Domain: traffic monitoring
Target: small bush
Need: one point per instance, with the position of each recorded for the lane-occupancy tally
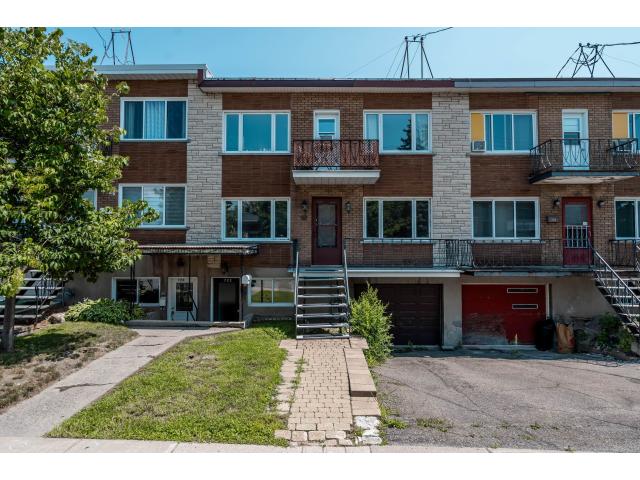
(369, 319)
(613, 335)
(103, 310)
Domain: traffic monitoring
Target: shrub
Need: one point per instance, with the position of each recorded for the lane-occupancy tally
(103, 310)
(613, 335)
(369, 319)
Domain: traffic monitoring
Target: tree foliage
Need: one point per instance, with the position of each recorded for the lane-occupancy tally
(52, 150)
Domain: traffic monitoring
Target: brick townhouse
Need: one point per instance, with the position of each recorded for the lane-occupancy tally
(476, 206)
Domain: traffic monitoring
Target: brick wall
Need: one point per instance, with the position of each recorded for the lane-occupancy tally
(410, 175)
(256, 175)
(303, 105)
(157, 237)
(154, 162)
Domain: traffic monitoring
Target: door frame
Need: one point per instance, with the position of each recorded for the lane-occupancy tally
(589, 202)
(314, 229)
(212, 297)
(171, 293)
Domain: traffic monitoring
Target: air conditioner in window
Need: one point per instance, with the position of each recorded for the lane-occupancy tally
(478, 146)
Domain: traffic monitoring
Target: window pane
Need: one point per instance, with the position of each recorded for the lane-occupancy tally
(154, 196)
(90, 195)
(154, 119)
(256, 219)
(504, 219)
(371, 126)
(282, 290)
(482, 220)
(231, 219)
(149, 290)
(256, 132)
(502, 137)
(396, 131)
(133, 119)
(261, 291)
(132, 194)
(396, 219)
(488, 132)
(282, 219)
(636, 131)
(625, 219)
(126, 290)
(422, 131)
(176, 119)
(523, 130)
(525, 219)
(282, 132)
(174, 197)
(373, 227)
(422, 219)
(326, 126)
(232, 129)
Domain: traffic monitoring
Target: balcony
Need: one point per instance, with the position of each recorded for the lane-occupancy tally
(580, 161)
(548, 255)
(335, 162)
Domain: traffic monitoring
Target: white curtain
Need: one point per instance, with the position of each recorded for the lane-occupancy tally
(154, 117)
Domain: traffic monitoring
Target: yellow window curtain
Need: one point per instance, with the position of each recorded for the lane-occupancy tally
(620, 125)
(477, 127)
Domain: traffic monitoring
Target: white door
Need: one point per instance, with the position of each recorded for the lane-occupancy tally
(575, 143)
(182, 298)
(326, 127)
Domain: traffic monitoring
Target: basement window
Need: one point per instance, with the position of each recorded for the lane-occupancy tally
(154, 119)
(145, 291)
(271, 292)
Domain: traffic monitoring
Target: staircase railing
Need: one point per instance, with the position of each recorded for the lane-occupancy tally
(295, 287)
(346, 281)
(622, 296)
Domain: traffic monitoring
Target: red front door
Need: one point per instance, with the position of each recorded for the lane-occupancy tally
(576, 231)
(327, 231)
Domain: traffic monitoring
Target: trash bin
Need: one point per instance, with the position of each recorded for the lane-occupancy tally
(544, 331)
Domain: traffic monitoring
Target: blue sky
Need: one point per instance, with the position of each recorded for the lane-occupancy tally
(344, 52)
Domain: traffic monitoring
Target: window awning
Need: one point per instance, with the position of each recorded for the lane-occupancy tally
(201, 249)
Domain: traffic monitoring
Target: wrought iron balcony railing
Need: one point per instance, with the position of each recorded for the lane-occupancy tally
(599, 155)
(335, 155)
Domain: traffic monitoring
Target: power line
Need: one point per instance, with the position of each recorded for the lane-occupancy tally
(418, 41)
(622, 60)
(373, 60)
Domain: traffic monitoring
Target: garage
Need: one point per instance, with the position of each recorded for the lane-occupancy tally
(501, 314)
(415, 311)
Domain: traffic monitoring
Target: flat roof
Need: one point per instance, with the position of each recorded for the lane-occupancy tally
(187, 71)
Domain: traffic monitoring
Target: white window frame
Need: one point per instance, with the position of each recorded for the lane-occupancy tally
(325, 115)
(113, 289)
(164, 187)
(380, 201)
(251, 303)
(493, 201)
(166, 124)
(241, 114)
(240, 238)
(413, 113)
(484, 113)
(636, 205)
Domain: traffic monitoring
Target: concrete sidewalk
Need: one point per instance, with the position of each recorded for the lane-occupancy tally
(37, 415)
(72, 445)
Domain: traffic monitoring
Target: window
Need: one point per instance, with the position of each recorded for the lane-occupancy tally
(634, 125)
(271, 292)
(627, 218)
(505, 218)
(255, 132)
(504, 132)
(168, 200)
(92, 196)
(154, 119)
(399, 131)
(260, 219)
(144, 291)
(396, 218)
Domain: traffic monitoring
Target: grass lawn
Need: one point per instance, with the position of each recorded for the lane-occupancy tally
(53, 352)
(207, 389)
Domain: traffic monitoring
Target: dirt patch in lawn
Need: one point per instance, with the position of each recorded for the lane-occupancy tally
(53, 352)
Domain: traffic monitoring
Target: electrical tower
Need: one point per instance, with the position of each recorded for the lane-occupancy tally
(113, 48)
(418, 42)
(588, 56)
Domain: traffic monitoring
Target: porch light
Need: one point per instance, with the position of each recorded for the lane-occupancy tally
(601, 203)
(347, 206)
(305, 207)
(556, 203)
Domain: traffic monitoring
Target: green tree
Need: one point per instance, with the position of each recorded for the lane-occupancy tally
(52, 150)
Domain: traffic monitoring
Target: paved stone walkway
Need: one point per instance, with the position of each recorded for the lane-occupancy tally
(319, 400)
(73, 445)
(37, 415)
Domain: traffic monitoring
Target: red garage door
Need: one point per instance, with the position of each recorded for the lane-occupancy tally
(499, 314)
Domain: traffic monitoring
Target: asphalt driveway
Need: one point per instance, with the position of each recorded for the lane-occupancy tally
(513, 400)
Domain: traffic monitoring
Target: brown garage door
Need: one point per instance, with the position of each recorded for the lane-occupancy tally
(415, 311)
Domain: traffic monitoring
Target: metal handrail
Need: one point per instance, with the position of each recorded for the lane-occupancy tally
(346, 277)
(295, 287)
